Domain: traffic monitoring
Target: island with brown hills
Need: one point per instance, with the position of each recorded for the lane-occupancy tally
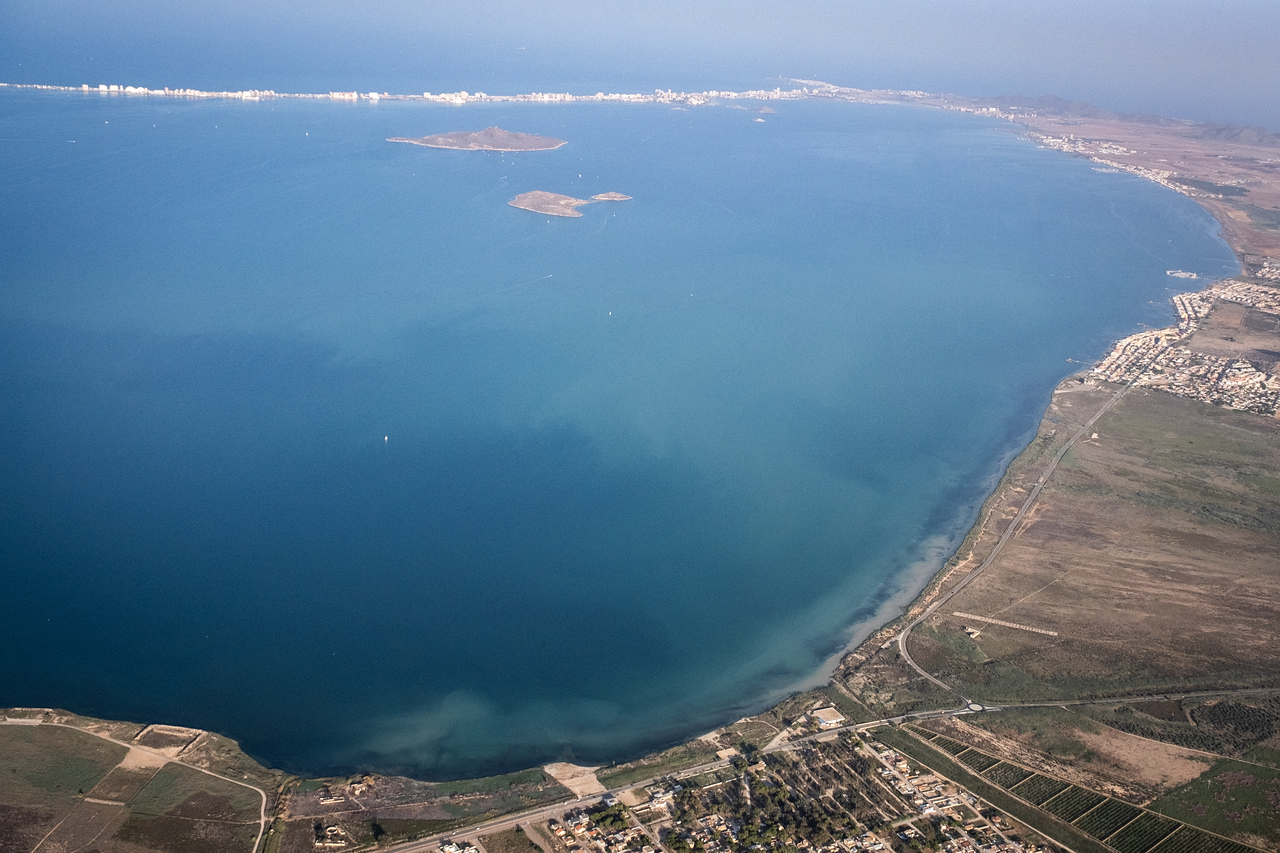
(489, 139)
(555, 204)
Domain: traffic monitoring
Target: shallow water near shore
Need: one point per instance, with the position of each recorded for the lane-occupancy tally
(310, 439)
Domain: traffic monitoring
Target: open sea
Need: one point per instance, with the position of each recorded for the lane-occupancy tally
(310, 439)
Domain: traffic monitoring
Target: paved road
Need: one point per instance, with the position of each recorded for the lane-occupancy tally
(1005, 537)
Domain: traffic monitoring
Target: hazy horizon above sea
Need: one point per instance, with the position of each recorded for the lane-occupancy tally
(310, 439)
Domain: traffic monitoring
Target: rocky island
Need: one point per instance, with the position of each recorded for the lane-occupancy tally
(555, 204)
(489, 139)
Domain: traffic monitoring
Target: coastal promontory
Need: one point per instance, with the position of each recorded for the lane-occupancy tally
(489, 139)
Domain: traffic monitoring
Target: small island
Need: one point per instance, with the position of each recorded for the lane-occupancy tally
(555, 204)
(489, 139)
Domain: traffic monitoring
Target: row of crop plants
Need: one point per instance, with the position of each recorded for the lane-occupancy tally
(1123, 827)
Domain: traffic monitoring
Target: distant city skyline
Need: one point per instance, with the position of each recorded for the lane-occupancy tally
(1189, 59)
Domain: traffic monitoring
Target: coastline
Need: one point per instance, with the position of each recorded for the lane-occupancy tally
(933, 570)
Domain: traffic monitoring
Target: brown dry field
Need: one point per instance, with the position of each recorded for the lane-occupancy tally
(1070, 746)
(511, 841)
(1237, 331)
(1154, 552)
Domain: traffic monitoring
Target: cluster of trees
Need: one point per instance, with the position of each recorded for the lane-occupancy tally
(1224, 727)
(610, 819)
(774, 814)
(748, 754)
(826, 793)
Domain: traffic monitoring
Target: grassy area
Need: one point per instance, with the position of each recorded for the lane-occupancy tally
(945, 765)
(670, 761)
(1053, 730)
(166, 834)
(48, 767)
(1264, 755)
(388, 830)
(853, 711)
(494, 795)
(46, 770)
(1160, 524)
(1261, 216)
(1232, 799)
(702, 780)
(492, 784)
(755, 732)
(182, 792)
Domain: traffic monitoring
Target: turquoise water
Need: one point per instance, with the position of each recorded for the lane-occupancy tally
(311, 439)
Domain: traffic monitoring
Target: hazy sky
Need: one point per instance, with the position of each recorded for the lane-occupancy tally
(1211, 61)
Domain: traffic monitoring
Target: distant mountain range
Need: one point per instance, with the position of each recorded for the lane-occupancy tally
(1056, 106)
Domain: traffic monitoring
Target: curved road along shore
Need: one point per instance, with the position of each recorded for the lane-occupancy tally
(1007, 535)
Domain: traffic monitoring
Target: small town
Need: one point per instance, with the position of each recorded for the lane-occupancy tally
(1104, 153)
(821, 785)
(1167, 360)
(836, 794)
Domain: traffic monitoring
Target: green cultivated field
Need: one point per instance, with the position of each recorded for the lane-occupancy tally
(951, 746)
(1072, 803)
(978, 761)
(1107, 818)
(1191, 840)
(1143, 834)
(1039, 788)
(1006, 775)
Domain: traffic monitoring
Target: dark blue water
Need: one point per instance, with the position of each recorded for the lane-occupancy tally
(310, 439)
